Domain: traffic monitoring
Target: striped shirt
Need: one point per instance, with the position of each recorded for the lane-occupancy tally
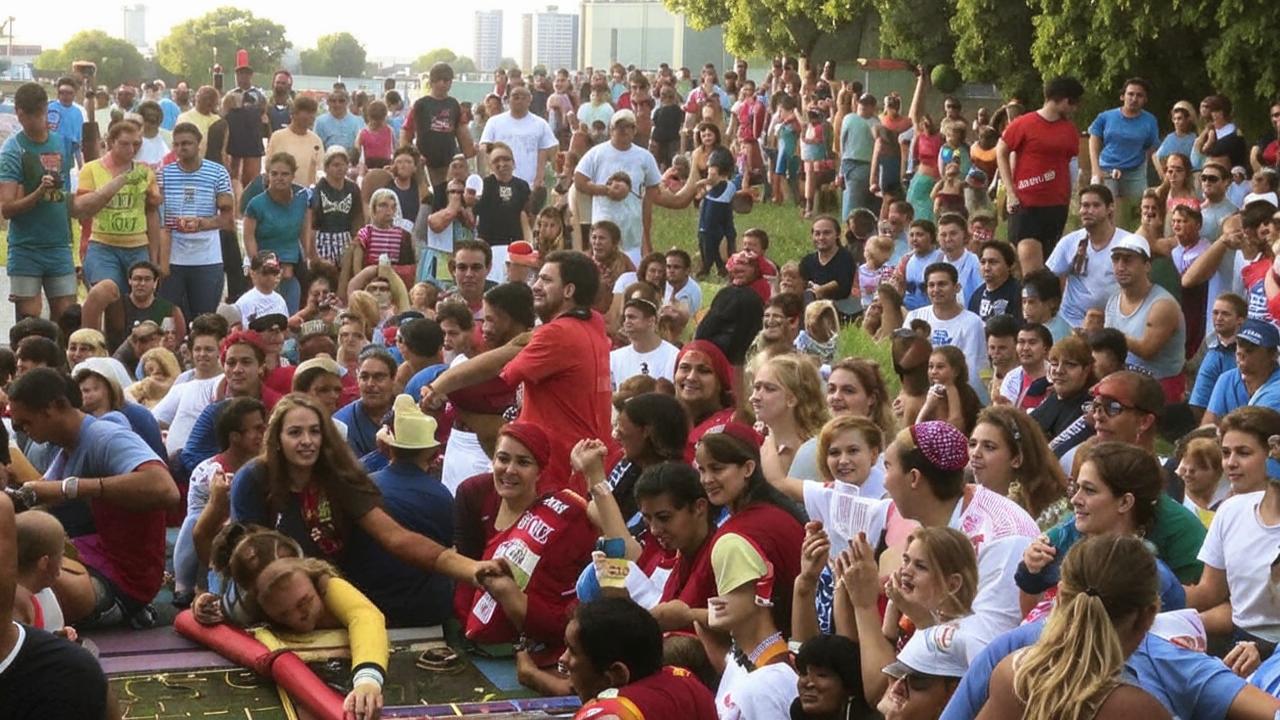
(193, 194)
(378, 241)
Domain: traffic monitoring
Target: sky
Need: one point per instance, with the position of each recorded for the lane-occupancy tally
(402, 31)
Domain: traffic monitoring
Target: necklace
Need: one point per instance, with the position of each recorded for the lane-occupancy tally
(764, 645)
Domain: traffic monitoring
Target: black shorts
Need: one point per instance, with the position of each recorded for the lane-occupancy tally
(1038, 223)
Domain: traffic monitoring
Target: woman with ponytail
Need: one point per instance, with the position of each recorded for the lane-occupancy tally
(1107, 601)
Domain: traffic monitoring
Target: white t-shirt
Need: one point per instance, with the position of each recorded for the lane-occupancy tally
(965, 331)
(764, 694)
(626, 362)
(690, 294)
(1000, 531)
(604, 160)
(527, 136)
(1239, 544)
(181, 406)
(254, 304)
(624, 281)
(1097, 284)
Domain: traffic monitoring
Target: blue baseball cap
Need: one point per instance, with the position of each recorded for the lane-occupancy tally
(1260, 333)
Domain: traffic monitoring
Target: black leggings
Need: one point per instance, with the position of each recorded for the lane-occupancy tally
(709, 247)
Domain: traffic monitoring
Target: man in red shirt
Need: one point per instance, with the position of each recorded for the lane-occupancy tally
(1038, 180)
(564, 367)
(613, 653)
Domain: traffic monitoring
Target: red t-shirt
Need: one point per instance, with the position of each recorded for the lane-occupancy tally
(678, 585)
(671, 692)
(565, 372)
(128, 546)
(778, 537)
(1042, 173)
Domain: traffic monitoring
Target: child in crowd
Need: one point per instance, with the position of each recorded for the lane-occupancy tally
(949, 193)
(549, 230)
(756, 240)
(815, 148)
(423, 297)
(262, 298)
(302, 595)
(715, 213)
(41, 540)
(790, 280)
(818, 337)
(787, 130)
(383, 236)
(876, 268)
(976, 199)
(376, 139)
(982, 227)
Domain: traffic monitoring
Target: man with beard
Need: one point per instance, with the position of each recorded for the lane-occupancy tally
(564, 368)
(278, 110)
(1084, 256)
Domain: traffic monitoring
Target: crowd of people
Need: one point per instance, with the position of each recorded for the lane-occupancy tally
(412, 363)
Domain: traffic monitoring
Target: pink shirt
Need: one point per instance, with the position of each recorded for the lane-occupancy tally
(376, 143)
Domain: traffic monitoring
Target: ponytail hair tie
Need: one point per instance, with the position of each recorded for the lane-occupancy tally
(1091, 591)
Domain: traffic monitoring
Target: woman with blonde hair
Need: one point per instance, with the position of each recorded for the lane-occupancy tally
(933, 589)
(1107, 600)
(86, 343)
(1009, 454)
(786, 396)
(363, 305)
(159, 371)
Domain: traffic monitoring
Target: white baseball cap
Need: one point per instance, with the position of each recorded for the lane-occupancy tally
(1132, 243)
(938, 651)
(623, 115)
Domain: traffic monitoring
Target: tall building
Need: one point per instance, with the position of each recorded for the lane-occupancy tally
(644, 33)
(551, 39)
(526, 41)
(488, 39)
(135, 24)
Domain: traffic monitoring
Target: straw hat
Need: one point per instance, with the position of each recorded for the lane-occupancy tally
(414, 429)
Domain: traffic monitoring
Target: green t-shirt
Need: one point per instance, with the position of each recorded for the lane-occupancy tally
(1177, 536)
(857, 139)
(48, 224)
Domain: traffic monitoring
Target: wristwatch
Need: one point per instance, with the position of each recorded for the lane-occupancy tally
(70, 487)
(27, 496)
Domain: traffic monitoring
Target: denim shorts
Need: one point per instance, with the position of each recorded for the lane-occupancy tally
(33, 268)
(108, 262)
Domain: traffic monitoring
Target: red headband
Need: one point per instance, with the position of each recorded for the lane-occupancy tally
(719, 363)
(534, 439)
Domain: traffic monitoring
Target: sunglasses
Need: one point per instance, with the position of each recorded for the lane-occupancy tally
(1209, 178)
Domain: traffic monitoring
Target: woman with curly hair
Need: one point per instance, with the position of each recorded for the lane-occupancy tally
(309, 486)
(786, 396)
(1008, 453)
(1107, 601)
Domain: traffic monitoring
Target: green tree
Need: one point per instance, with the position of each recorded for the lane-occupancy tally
(760, 28)
(426, 60)
(918, 31)
(463, 64)
(1242, 61)
(1103, 43)
(335, 54)
(118, 60)
(997, 52)
(188, 50)
(507, 63)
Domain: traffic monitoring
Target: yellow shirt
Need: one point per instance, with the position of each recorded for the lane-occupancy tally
(307, 149)
(366, 626)
(123, 221)
(201, 121)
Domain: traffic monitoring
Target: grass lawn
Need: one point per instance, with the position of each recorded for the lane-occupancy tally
(788, 240)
